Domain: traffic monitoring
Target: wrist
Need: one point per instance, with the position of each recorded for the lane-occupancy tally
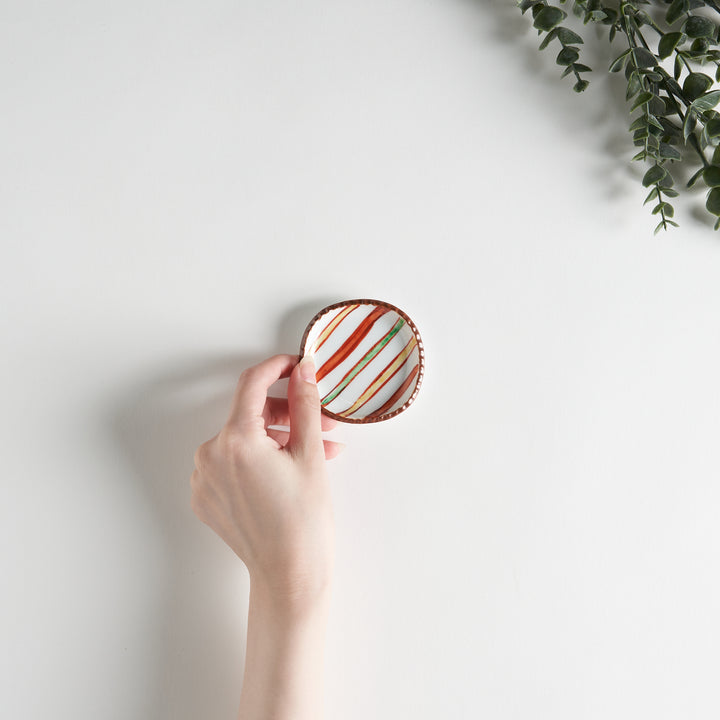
(290, 600)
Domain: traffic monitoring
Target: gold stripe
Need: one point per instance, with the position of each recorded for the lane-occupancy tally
(325, 334)
(381, 379)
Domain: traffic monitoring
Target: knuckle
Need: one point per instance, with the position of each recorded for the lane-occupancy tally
(247, 376)
(232, 447)
(202, 456)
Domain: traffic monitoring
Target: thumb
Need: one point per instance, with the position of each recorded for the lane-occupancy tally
(304, 408)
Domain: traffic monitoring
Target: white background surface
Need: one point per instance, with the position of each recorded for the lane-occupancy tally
(182, 186)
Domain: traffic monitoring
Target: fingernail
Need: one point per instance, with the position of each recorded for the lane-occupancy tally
(307, 370)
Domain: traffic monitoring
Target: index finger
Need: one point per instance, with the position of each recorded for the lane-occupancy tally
(252, 387)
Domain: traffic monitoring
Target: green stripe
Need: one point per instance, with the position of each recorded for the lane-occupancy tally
(373, 352)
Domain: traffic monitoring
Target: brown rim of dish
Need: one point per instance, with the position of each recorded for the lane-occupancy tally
(421, 356)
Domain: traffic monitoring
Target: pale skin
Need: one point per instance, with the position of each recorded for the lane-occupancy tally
(265, 492)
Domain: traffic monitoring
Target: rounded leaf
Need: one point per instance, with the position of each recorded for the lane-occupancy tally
(653, 175)
(580, 85)
(548, 18)
(711, 176)
(696, 84)
(567, 56)
(699, 47)
(713, 201)
(568, 37)
(698, 27)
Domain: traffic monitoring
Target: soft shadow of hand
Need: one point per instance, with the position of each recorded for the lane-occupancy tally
(196, 664)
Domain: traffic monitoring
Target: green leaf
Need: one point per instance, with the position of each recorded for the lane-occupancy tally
(651, 196)
(611, 16)
(640, 156)
(711, 176)
(712, 127)
(548, 18)
(567, 56)
(654, 175)
(713, 201)
(656, 106)
(699, 47)
(670, 192)
(668, 43)
(639, 123)
(619, 62)
(706, 102)
(568, 37)
(667, 208)
(673, 133)
(580, 85)
(699, 27)
(696, 84)
(668, 152)
(634, 86)
(717, 224)
(655, 77)
(675, 11)
(579, 67)
(525, 5)
(548, 39)
(644, 58)
(695, 178)
(652, 120)
(689, 124)
(641, 99)
(677, 67)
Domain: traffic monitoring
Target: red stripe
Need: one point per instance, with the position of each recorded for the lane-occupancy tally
(351, 343)
(396, 395)
(397, 370)
(354, 307)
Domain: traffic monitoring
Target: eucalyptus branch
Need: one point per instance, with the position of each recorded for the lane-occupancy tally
(688, 95)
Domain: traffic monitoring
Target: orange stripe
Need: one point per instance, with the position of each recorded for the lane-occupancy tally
(397, 395)
(351, 343)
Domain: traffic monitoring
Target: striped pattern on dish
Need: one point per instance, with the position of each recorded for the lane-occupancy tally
(368, 360)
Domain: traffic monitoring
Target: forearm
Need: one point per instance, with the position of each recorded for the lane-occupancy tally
(284, 661)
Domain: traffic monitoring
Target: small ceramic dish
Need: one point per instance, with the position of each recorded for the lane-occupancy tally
(369, 360)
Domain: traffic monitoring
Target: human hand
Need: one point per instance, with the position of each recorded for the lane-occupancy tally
(265, 492)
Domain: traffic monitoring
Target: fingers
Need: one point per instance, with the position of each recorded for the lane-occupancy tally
(304, 408)
(277, 413)
(332, 449)
(251, 391)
